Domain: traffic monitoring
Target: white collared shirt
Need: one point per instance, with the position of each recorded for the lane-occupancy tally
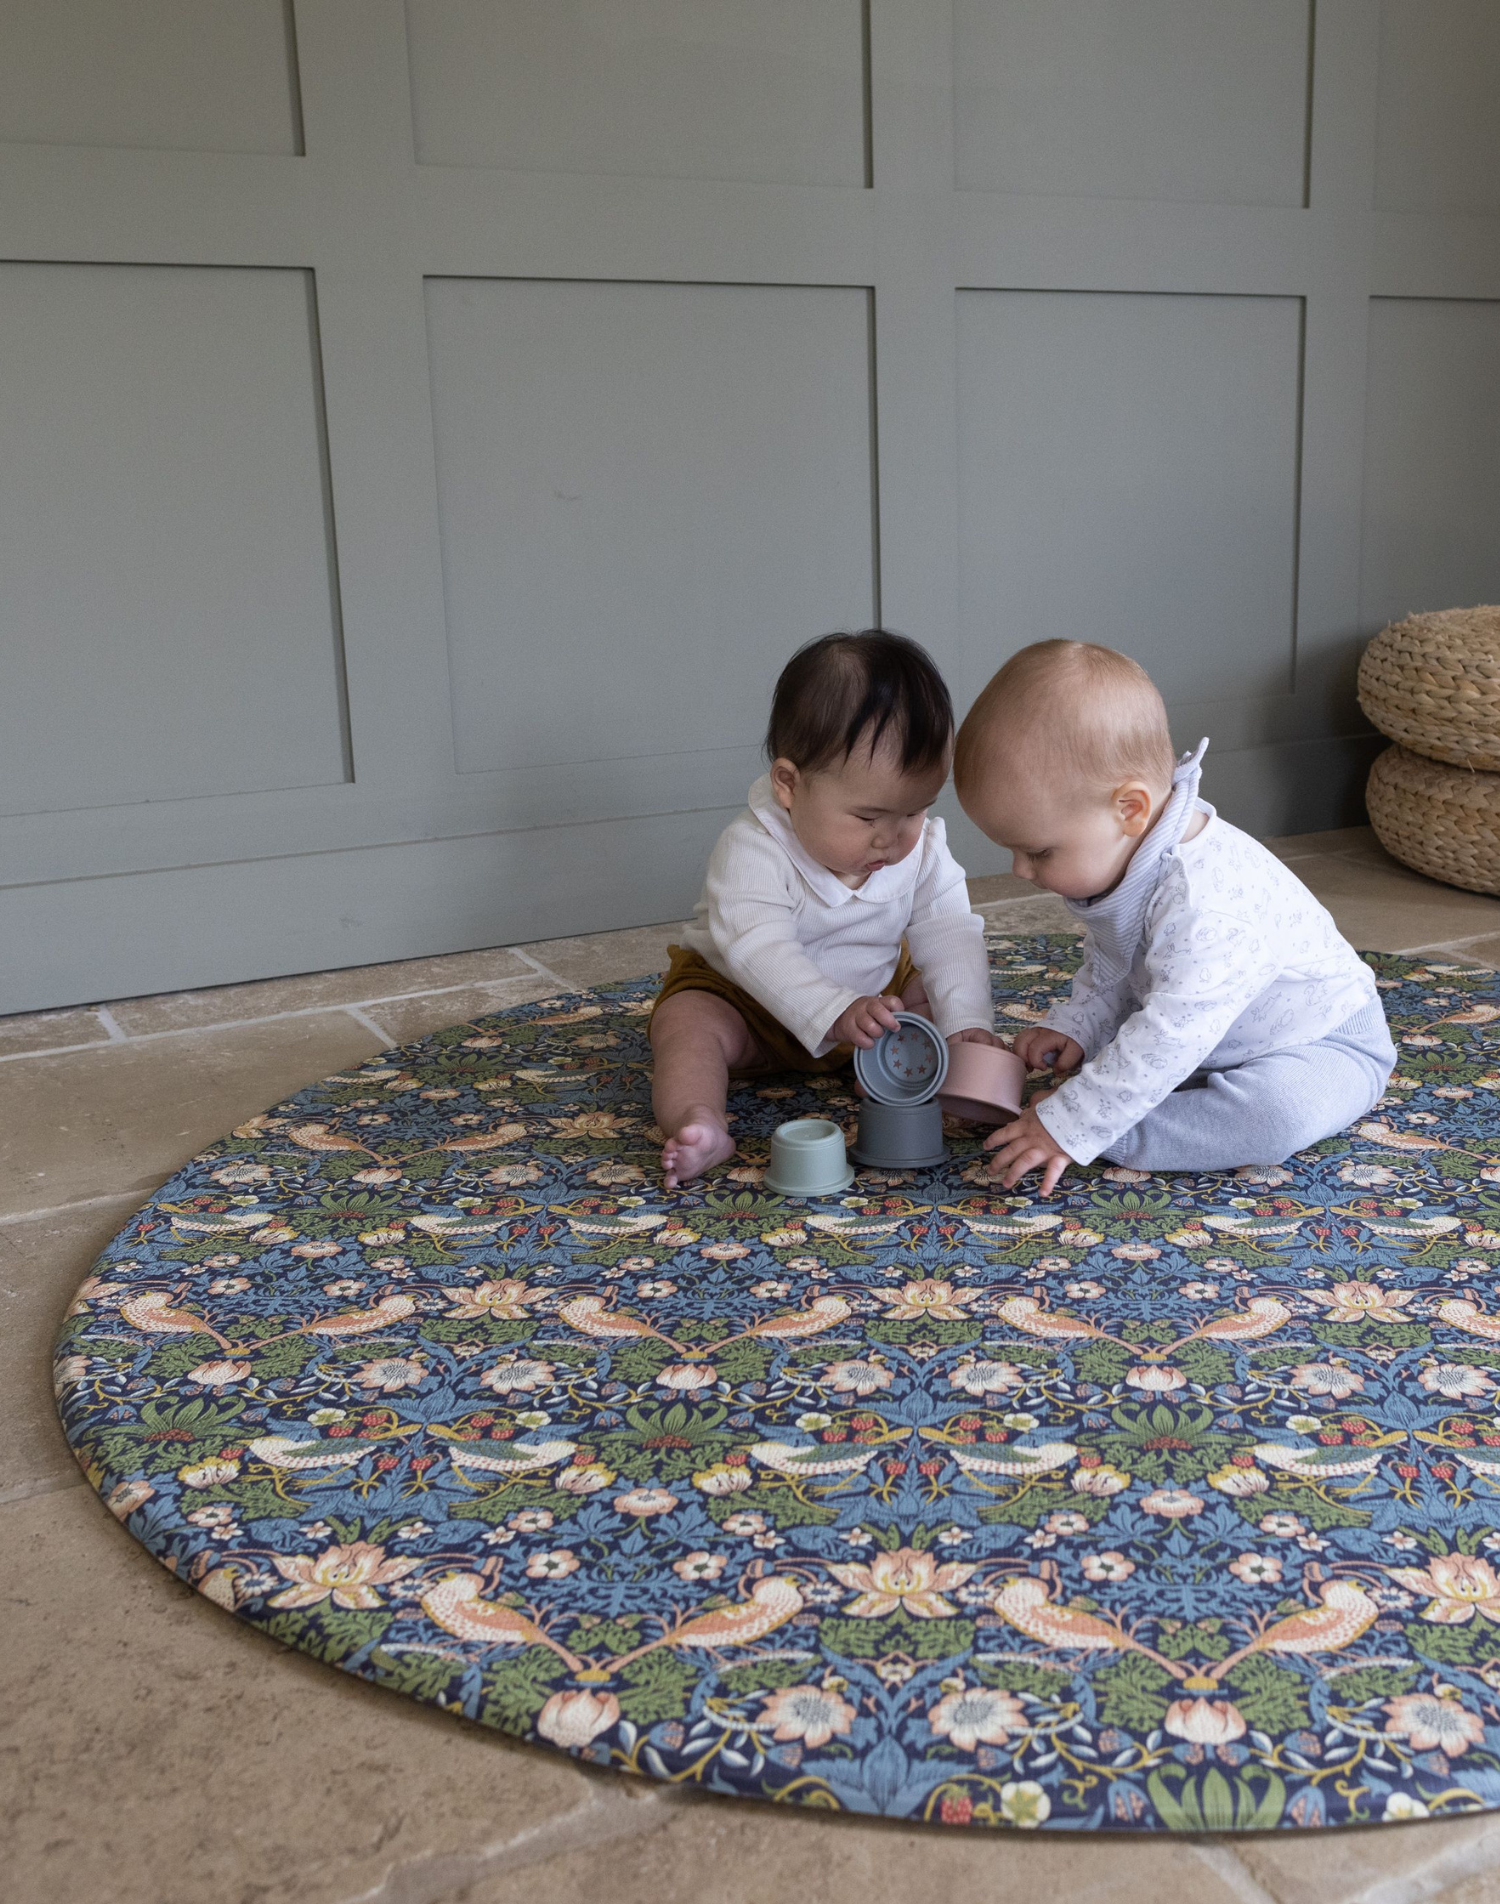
(805, 945)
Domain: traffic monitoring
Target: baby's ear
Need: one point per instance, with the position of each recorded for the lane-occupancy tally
(1133, 803)
(785, 777)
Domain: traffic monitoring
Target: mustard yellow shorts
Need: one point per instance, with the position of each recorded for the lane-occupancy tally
(689, 972)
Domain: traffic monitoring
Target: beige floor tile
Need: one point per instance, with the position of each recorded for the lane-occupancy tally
(124, 1116)
(1483, 1888)
(407, 1018)
(1393, 1862)
(222, 1004)
(1486, 951)
(597, 958)
(1042, 912)
(1359, 841)
(45, 1031)
(158, 1752)
(724, 1851)
(1381, 907)
(42, 1261)
(986, 888)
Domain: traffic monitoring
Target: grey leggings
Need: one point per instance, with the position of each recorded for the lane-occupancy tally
(1261, 1111)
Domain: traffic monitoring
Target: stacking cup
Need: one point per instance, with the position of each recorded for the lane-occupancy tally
(900, 1136)
(983, 1084)
(807, 1159)
(904, 1066)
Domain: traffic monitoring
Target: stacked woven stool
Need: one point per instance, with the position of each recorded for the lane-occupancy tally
(1432, 684)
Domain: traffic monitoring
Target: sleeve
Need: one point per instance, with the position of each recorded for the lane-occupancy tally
(752, 893)
(1094, 1010)
(1203, 967)
(946, 937)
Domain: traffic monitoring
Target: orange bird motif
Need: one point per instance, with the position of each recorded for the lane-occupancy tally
(824, 1312)
(1262, 1315)
(1026, 1603)
(589, 1315)
(773, 1601)
(1460, 1313)
(1346, 1612)
(459, 1607)
(154, 1312)
(1027, 1314)
(389, 1309)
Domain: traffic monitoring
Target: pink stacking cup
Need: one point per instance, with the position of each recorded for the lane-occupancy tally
(984, 1084)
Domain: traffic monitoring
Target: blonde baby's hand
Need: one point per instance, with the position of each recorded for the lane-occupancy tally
(1043, 1049)
(1026, 1144)
(863, 1022)
(975, 1035)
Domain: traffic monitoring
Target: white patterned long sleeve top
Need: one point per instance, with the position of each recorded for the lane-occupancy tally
(1234, 959)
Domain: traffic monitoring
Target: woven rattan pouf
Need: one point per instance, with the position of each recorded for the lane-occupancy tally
(1432, 682)
(1443, 821)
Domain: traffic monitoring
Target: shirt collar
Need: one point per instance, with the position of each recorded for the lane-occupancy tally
(884, 885)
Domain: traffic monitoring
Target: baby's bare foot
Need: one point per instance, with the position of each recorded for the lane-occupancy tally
(695, 1147)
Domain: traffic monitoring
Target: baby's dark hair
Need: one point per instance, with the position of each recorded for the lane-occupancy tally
(844, 692)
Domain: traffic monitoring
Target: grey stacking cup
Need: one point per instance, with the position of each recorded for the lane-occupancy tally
(807, 1160)
(900, 1136)
(904, 1066)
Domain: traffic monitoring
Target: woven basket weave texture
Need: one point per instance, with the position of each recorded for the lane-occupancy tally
(1443, 821)
(1432, 682)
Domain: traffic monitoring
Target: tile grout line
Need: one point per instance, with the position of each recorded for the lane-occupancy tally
(362, 1017)
(78, 1203)
(545, 970)
(430, 1877)
(29, 1490)
(273, 1018)
(110, 1023)
(1232, 1871)
(1471, 1859)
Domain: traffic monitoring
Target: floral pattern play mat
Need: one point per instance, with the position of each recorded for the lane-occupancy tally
(1168, 1503)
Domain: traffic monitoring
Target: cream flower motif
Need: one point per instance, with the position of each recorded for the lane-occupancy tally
(1136, 1252)
(219, 1374)
(588, 1124)
(508, 1300)
(926, 1297)
(1101, 1481)
(975, 1716)
(519, 1375)
(1326, 1378)
(912, 1581)
(574, 1719)
(1239, 1483)
(127, 1496)
(1256, 1570)
(685, 1378)
(1173, 1504)
(1460, 1585)
(390, 1373)
(1362, 1302)
(1454, 1380)
(1403, 1805)
(808, 1713)
(1107, 1566)
(1024, 1804)
(722, 1479)
(585, 1477)
(855, 1378)
(986, 1378)
(1204, 1721)
(349, 1575)
(645, 1501)
(1433, 1724)
(556, 1564)
(699, 1566)
(1155, 1378)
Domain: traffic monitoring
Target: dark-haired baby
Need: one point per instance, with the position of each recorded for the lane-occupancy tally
(830, 903)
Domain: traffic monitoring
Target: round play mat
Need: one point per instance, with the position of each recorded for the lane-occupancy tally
(1165, 1503)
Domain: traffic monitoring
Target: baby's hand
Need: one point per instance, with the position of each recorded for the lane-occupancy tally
(1043, 1049)
(974, 1035)
(863, 1022)
(1026, 1144)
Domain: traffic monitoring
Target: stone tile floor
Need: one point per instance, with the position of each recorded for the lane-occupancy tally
(153, 1751)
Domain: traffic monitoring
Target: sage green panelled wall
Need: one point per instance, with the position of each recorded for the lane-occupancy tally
(428, 426)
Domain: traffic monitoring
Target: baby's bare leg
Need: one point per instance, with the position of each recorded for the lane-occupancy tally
(697, 1038)
(915, 999)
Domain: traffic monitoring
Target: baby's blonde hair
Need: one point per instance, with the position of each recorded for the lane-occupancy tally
(1092, 712)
